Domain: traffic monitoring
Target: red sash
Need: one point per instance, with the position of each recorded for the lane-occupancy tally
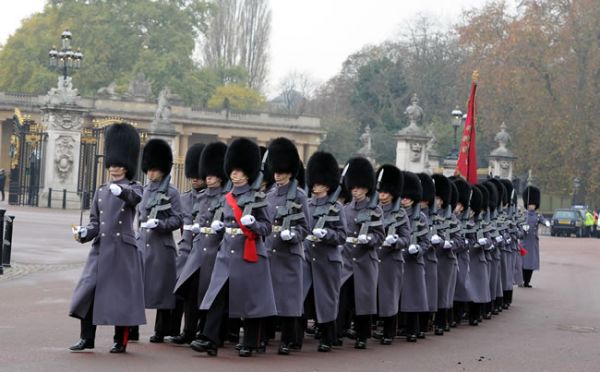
(250, 243)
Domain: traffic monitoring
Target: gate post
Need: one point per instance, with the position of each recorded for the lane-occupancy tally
(2, 213)
(7, 243)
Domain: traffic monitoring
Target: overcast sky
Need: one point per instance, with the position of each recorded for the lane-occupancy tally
(312, 37)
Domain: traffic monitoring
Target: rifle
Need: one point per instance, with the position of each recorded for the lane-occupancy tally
(417, 229)
(160, 201)
(321, 212)
(365, 217)
(255, 198)
(396, 218)
(291, 211)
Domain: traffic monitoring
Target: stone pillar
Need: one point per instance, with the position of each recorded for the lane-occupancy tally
(412, 142)
(501, 159)
(63, 119)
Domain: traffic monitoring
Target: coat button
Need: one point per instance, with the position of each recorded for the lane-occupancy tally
(118, 234)
(378, 260)
(147, 245)
(103, 234)
(313, 245)
(314, 259)
(99, 199)
(232, 251)
(101, 222)
(353, 258)
(274, 251)
(274, 235)
(101, 212)
(122, 209)
(204, 249)
(100, 189)
(120, 222)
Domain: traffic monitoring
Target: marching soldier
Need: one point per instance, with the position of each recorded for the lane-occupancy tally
(429, 252)
(160, 214)
(186, 299)
(397, 230)
(478, 244)
(364, 235)
(501, 243)
(240, 285)
(493, 252)
(413, 300)
(323, 253)
(110, 290)
(511, 247)
(462, 293)
(289, 212)
(531, 241)
(445, 244)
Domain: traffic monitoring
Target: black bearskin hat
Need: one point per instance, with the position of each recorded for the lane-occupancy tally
(268, 179)
(322, 169)
(211, 161)
(532, 195)
(283, 157)
(157, 154)
(501, 192)
(192, 159)
(508, 186)
(464, 191)
(243, 154)
(492, 195)
(428, 188)
(443, 189)
(392, 180)
(301, 176)
(412, 187)
(476, 202)
(360, 173)
(453, 195)
(122, 148)
(485, 197)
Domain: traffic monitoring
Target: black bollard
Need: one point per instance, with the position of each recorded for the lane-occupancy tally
(7, 246)
(64, 203)
(2, 213)
(50, 197)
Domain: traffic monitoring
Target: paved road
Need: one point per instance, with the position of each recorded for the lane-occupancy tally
(551, 327)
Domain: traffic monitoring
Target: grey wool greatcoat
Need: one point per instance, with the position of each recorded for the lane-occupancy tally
(112, 276)
(324, 262)
(462, 290)
(286, 258)
(413, 298)
(506, 260)
(205, 245)
(479, 277)
(531, 241)
(448, 267)
(495, 270)
(391, 265)
(250, 287)
(431, 268)
(159, 249)
(189, 200)
(363, 260)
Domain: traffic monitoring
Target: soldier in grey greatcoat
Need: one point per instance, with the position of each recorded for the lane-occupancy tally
(365, 233)
(288, 208)
(531, 240)
(462, 293)
(501, 243)
(429, 253)
(478, 243)
(159, 214)
(110, 290)
(413, 298)
(391, 259)
(493, 254)
(510, 252)
(186, 298)
(322, 247)
(445, 245)
(241, 284)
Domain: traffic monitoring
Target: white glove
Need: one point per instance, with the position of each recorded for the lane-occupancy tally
(466, 241)
(247, 220)
(286, 235)
(508, 240)
(217, 225)
(499, 239)
(363, 239)
(81, 231)
(447, 244)
(150, 224)
(547, 223)
(491, 248)
(436, 239)
(319, 233)
(196, 228)
(413, 249)
(116, 190)
(482, 241)
(525, 228)
(391, 239)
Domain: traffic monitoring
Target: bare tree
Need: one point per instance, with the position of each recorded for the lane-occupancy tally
(295, 90)
(238, 35)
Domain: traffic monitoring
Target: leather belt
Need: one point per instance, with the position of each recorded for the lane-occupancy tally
(187, 227)
(207, 230)
(352, 240)
(276, 228)
(312, 238)
(233, 231)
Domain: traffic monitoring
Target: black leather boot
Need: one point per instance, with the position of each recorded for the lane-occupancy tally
(82, 344)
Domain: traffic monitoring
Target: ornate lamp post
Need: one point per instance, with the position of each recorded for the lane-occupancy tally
(66, 59)
(458, 115)
(576, 187)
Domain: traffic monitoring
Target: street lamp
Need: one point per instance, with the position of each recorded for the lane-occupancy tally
(458, 115)
(66, 59)
(576, 186)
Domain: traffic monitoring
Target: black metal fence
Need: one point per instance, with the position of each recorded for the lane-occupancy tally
(6, 234)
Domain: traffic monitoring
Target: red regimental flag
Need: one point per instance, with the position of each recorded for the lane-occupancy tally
(467, 156)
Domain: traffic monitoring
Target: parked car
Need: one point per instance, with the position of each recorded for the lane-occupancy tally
(568, 221)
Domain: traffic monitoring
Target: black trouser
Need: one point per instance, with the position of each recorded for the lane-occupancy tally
(164, 325)
(346, 307)
(362, 326)
(289, 329)
(527, 276)
(412, 324)
(474, 311)
(459, 311)
(328, 334)
(389, 326)
(88, 328)
(189, 307)
(441, 318)
(424, 321)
